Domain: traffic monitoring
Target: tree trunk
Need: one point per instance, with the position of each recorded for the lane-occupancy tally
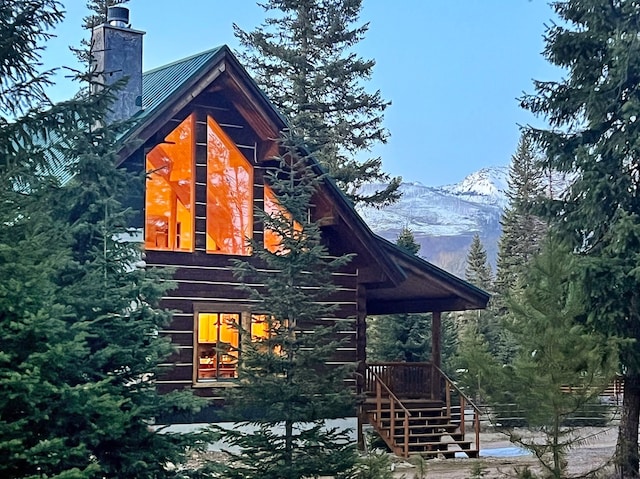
(627, 447)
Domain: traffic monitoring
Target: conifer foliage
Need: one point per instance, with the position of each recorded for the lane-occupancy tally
(522, 228)
(478, 331)
(556, 354)
(79, 348)
(478, 270)
(401, 337)
(302, 57)
(407, 241)
(594, 129)
(285, 379)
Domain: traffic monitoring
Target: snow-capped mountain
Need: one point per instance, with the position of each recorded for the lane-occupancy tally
(445, 218)
(487, 185)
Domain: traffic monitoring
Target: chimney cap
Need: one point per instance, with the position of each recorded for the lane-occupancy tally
(118, 17)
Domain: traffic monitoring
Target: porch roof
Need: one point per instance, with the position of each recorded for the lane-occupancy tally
(426, 288)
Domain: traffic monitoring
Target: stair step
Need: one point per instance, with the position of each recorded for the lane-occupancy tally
(435, 434)
(449, 454)
(407, 402)
(439, 446)
(413, 411)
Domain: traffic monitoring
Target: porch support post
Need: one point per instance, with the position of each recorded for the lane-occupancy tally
(436, 332)
(436, 329)
(361, 354)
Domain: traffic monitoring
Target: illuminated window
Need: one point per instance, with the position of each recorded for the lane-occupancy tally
(272, 240)
(229, 195)
(169, 191)
(218, 340)
(259, 327)
(262, 330)
(217, 348)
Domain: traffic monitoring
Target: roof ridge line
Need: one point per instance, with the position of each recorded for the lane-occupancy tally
(183, 60)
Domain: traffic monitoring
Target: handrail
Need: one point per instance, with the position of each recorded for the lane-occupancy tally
(393, 399)
(465, 399)
(389, 391)
(462, 394)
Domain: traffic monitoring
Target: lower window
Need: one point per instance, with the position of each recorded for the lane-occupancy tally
(218, 342)
(217, 348)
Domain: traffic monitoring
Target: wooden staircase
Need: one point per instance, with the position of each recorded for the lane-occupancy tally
(417, 410)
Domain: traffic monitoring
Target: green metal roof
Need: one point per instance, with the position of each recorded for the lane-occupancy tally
(160, 83)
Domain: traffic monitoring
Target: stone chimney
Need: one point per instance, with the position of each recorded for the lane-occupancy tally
(117, 53)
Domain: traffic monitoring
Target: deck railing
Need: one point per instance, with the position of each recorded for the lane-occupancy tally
(424, 381)
(398, 413)
(408, 380)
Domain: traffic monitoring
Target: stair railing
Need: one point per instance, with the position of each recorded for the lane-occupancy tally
(464, 401)
(394, 401)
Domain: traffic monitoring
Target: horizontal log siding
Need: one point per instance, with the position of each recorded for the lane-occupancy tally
(208, 280)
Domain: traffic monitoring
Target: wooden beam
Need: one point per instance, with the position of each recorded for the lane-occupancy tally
(436, 342)
(399, 306)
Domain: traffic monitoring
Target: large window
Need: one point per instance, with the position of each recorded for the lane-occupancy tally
(218, 343)
(171, 187)
(169, 191)
(229, 195)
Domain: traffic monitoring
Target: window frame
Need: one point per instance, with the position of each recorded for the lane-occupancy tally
(243, 313)
(173, 235)
(246, 323)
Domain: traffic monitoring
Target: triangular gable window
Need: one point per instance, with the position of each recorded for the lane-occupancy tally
(225, 178)
(229, 195)
(169, 191)
(273, 208)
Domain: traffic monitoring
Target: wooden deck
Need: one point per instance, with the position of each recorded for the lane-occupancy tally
(417, 410)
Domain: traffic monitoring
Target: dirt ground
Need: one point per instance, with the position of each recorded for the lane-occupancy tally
(594, 454)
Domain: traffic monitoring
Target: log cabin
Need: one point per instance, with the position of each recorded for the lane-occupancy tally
(203, 132)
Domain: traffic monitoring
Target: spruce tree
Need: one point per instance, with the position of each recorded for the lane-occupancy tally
(78, 318)
(98, 15)
(593, 135)
(302, 57)
(407, 241)
(475, 365)
(522, 228)
(478, 270)
(561, 365)
(401, 337)
(484, 322)
(285, 378)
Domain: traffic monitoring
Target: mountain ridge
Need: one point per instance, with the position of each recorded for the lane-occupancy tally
(445, 218)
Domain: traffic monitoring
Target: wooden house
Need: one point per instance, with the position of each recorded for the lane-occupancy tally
(204, 132)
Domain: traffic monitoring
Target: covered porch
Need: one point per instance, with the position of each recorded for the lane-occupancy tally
(414, 407)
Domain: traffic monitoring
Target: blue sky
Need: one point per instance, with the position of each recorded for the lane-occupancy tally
(453, 69)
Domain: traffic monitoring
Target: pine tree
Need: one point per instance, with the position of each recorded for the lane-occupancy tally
(401, 337)
(593, 135)
(556, 354)
(522, 228)
(78, 319)
(285, 377)
(407, 241)
(301, 56)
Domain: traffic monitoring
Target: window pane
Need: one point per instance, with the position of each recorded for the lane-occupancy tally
(169, 191)
(217, 348)
(272, 240)
(259, 327)
(229, 194)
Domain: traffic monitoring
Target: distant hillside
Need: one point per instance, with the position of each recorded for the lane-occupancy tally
(445, 218)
